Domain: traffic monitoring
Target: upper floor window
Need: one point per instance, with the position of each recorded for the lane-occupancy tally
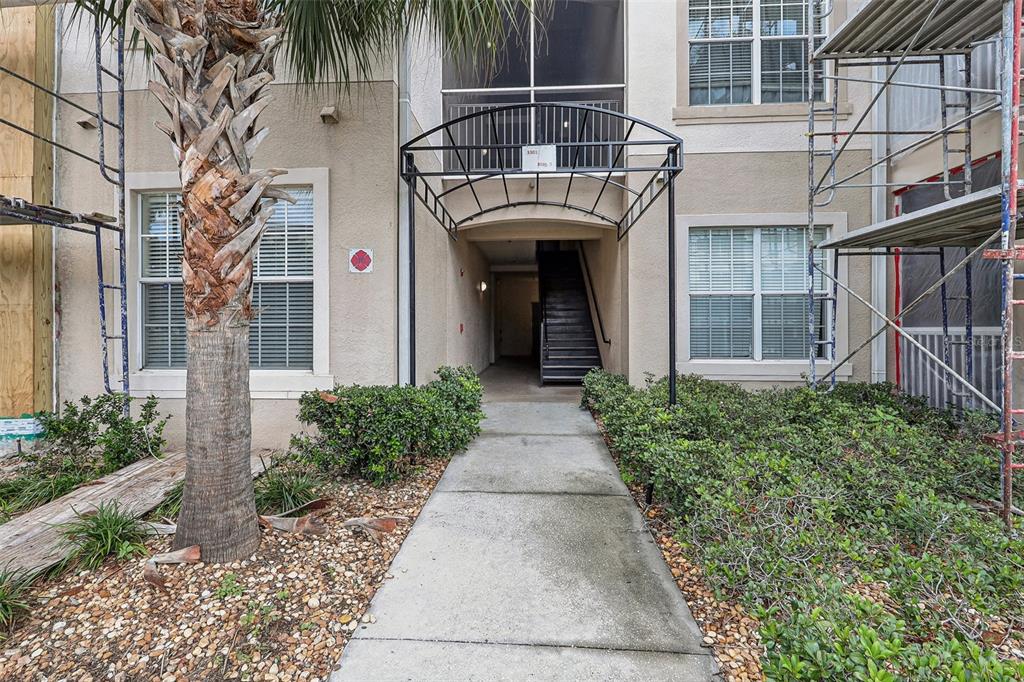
(281, 334)
(574, 53)
(751, 51)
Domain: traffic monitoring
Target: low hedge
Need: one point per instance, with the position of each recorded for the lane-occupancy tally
(842, 520)
(375, 431)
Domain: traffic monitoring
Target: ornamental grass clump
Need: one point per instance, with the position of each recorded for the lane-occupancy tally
(379, 431)
(851, 523)
(108, 530)
(14, 586)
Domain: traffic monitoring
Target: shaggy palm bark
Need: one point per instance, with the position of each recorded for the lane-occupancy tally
(215, 58)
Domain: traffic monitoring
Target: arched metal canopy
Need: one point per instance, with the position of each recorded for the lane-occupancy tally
(589, 145)
(583, 145)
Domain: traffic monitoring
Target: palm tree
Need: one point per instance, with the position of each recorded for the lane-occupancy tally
(215, 59)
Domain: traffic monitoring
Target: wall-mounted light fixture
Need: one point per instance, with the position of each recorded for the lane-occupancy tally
(482, 286)
(329, 115)
(88, 122)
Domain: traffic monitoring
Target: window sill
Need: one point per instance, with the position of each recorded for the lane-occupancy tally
(263, 384)
(750, 113)
(757, 370)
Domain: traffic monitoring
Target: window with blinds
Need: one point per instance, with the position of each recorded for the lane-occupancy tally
(281, 335)
(751, 51)
(748, 293)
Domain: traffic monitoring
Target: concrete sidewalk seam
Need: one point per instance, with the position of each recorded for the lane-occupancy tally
(531, 492)
(544, 645)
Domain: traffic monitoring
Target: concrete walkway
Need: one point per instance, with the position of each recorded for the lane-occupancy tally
(529, 561)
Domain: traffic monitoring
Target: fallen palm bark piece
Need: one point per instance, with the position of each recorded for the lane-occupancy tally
(186, 555)
(307, 524)
(375, 526)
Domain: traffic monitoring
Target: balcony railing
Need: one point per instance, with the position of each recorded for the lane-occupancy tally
(527, 126)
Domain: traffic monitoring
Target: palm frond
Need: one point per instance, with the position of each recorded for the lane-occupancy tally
(341, 41)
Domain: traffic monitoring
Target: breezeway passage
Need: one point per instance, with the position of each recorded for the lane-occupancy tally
(530, 560)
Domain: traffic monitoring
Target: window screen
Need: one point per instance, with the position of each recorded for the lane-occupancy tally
(281, 335)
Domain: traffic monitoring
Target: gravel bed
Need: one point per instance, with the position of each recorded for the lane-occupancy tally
(283, 614)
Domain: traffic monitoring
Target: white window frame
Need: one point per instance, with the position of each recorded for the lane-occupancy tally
(263, 383)
(755, 39)
(750, 369)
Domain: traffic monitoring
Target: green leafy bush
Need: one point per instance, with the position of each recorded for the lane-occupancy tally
(82, 442)
(108, 530)
(375, 430)
(840, 519)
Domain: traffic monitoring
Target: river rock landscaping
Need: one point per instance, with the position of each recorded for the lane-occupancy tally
(854, 529)
(285, 612)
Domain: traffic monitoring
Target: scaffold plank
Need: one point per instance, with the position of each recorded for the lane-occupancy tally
(965, 221)
(889, 27)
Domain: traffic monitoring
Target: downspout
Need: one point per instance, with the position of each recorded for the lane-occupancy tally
(404, 126)
(879, 213)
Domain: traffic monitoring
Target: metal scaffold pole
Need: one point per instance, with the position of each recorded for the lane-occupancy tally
(811, 176)
(1010, 79)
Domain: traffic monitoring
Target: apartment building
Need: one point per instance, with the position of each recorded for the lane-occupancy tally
(529, 276)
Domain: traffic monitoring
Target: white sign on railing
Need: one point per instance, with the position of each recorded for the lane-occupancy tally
(540, 157)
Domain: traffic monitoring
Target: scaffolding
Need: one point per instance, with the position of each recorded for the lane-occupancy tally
(890, 35)
(18, 211)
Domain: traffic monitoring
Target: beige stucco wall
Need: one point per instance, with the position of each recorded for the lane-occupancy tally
(607, 270)
(359, 155)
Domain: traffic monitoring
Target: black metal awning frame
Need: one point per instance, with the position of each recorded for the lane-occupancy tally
(649, 138)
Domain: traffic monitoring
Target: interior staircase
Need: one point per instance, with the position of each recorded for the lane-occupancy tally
(568, 345)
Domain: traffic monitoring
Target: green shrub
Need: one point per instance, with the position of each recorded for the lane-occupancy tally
(280, 490)
(375, 430)
(14, 586)
(108, 530)
(794, 499)
(82, 442)
(100, 427)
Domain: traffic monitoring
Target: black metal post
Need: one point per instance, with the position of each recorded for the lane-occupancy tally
(673, 157)
(411, 184)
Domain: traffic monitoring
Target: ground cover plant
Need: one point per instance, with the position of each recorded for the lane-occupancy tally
(379, 431)
(82, 442)
(847, 523)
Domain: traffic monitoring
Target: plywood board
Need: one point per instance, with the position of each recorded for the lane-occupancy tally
(26, 282)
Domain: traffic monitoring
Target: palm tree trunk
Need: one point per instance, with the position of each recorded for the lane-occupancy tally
(215, 58)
